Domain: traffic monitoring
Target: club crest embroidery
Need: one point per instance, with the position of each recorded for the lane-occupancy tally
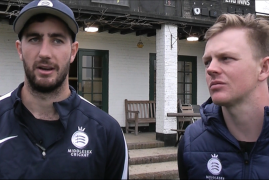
(45, 3)
(214, 165)
(80, 139)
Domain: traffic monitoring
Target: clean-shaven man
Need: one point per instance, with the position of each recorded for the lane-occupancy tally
(231, 141)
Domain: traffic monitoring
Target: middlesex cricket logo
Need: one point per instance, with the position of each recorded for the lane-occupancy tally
(213, 165)
(80, 139)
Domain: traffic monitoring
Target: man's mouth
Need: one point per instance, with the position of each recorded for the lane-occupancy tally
(215, 83)
(46, 68)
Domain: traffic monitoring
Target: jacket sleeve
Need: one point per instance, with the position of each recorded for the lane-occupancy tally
(182, 171)
(117, 160)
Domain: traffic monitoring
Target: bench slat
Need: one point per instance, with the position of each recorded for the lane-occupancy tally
(139, 112)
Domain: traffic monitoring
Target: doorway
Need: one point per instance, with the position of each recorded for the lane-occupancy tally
(89, 76)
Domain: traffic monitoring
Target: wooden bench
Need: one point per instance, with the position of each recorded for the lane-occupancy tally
(138, 112)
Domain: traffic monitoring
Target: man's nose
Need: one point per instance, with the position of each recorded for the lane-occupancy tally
(213, 67)
(45, 49)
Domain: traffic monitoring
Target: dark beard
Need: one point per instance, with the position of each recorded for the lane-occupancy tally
(41, 88)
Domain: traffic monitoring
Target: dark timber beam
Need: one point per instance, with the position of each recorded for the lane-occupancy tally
(103, 28)
(113, 30)
(157, 26)
(127, 31)
(141, 32)
(151, 33)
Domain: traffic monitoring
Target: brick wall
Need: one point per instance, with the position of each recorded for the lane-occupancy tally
(166, 77)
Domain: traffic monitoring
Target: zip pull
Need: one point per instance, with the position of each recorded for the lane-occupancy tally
(44, 153)
(43, 149)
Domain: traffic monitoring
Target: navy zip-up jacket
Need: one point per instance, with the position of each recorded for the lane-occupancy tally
(211, 152)
(90, 146)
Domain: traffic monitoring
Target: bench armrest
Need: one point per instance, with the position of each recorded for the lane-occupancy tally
(132, 111)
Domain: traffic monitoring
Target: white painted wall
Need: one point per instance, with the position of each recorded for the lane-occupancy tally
(128, 65)
(11, 67)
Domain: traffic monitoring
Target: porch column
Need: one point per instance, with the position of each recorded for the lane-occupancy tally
(166, 83)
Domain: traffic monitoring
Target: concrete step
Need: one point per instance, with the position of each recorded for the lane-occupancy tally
(145, 145)
(149, 159)
(162, 170)
(142, 141)
(153, 155)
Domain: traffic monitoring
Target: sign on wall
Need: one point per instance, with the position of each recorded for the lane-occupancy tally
(113, 2)
(239, 2)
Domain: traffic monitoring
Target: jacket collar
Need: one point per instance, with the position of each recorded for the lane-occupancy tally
(213, 119)
(210, 111)
(63, 107)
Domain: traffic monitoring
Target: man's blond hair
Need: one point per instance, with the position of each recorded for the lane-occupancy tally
(257, 30)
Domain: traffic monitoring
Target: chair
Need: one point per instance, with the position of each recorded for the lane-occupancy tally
(185, 108)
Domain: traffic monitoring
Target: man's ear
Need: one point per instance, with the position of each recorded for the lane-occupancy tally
(19, 50)
(74, 50)
(264, 73)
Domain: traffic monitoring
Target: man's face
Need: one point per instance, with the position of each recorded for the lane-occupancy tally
(231, 71)
(46, 50)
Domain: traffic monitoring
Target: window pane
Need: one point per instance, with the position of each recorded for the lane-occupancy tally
(188, 88)
(86, 86)
(97, 61)
(180, 66)
(88, 97)
(97, 73)
(97, 86)
(86, 74)
(188, 67)
(188, 99)
(188, 77)
(180, 98)
(97, 99)
(180, 89)
(180, 77)
(87, 61)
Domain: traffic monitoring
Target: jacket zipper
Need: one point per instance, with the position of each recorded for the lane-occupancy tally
(245, 156)
(42, 148)
(246, 165)
(32, 138)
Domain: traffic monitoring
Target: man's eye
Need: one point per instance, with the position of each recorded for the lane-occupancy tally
(33, 40)
(58, 41)
(207, 63)
(226, 58)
